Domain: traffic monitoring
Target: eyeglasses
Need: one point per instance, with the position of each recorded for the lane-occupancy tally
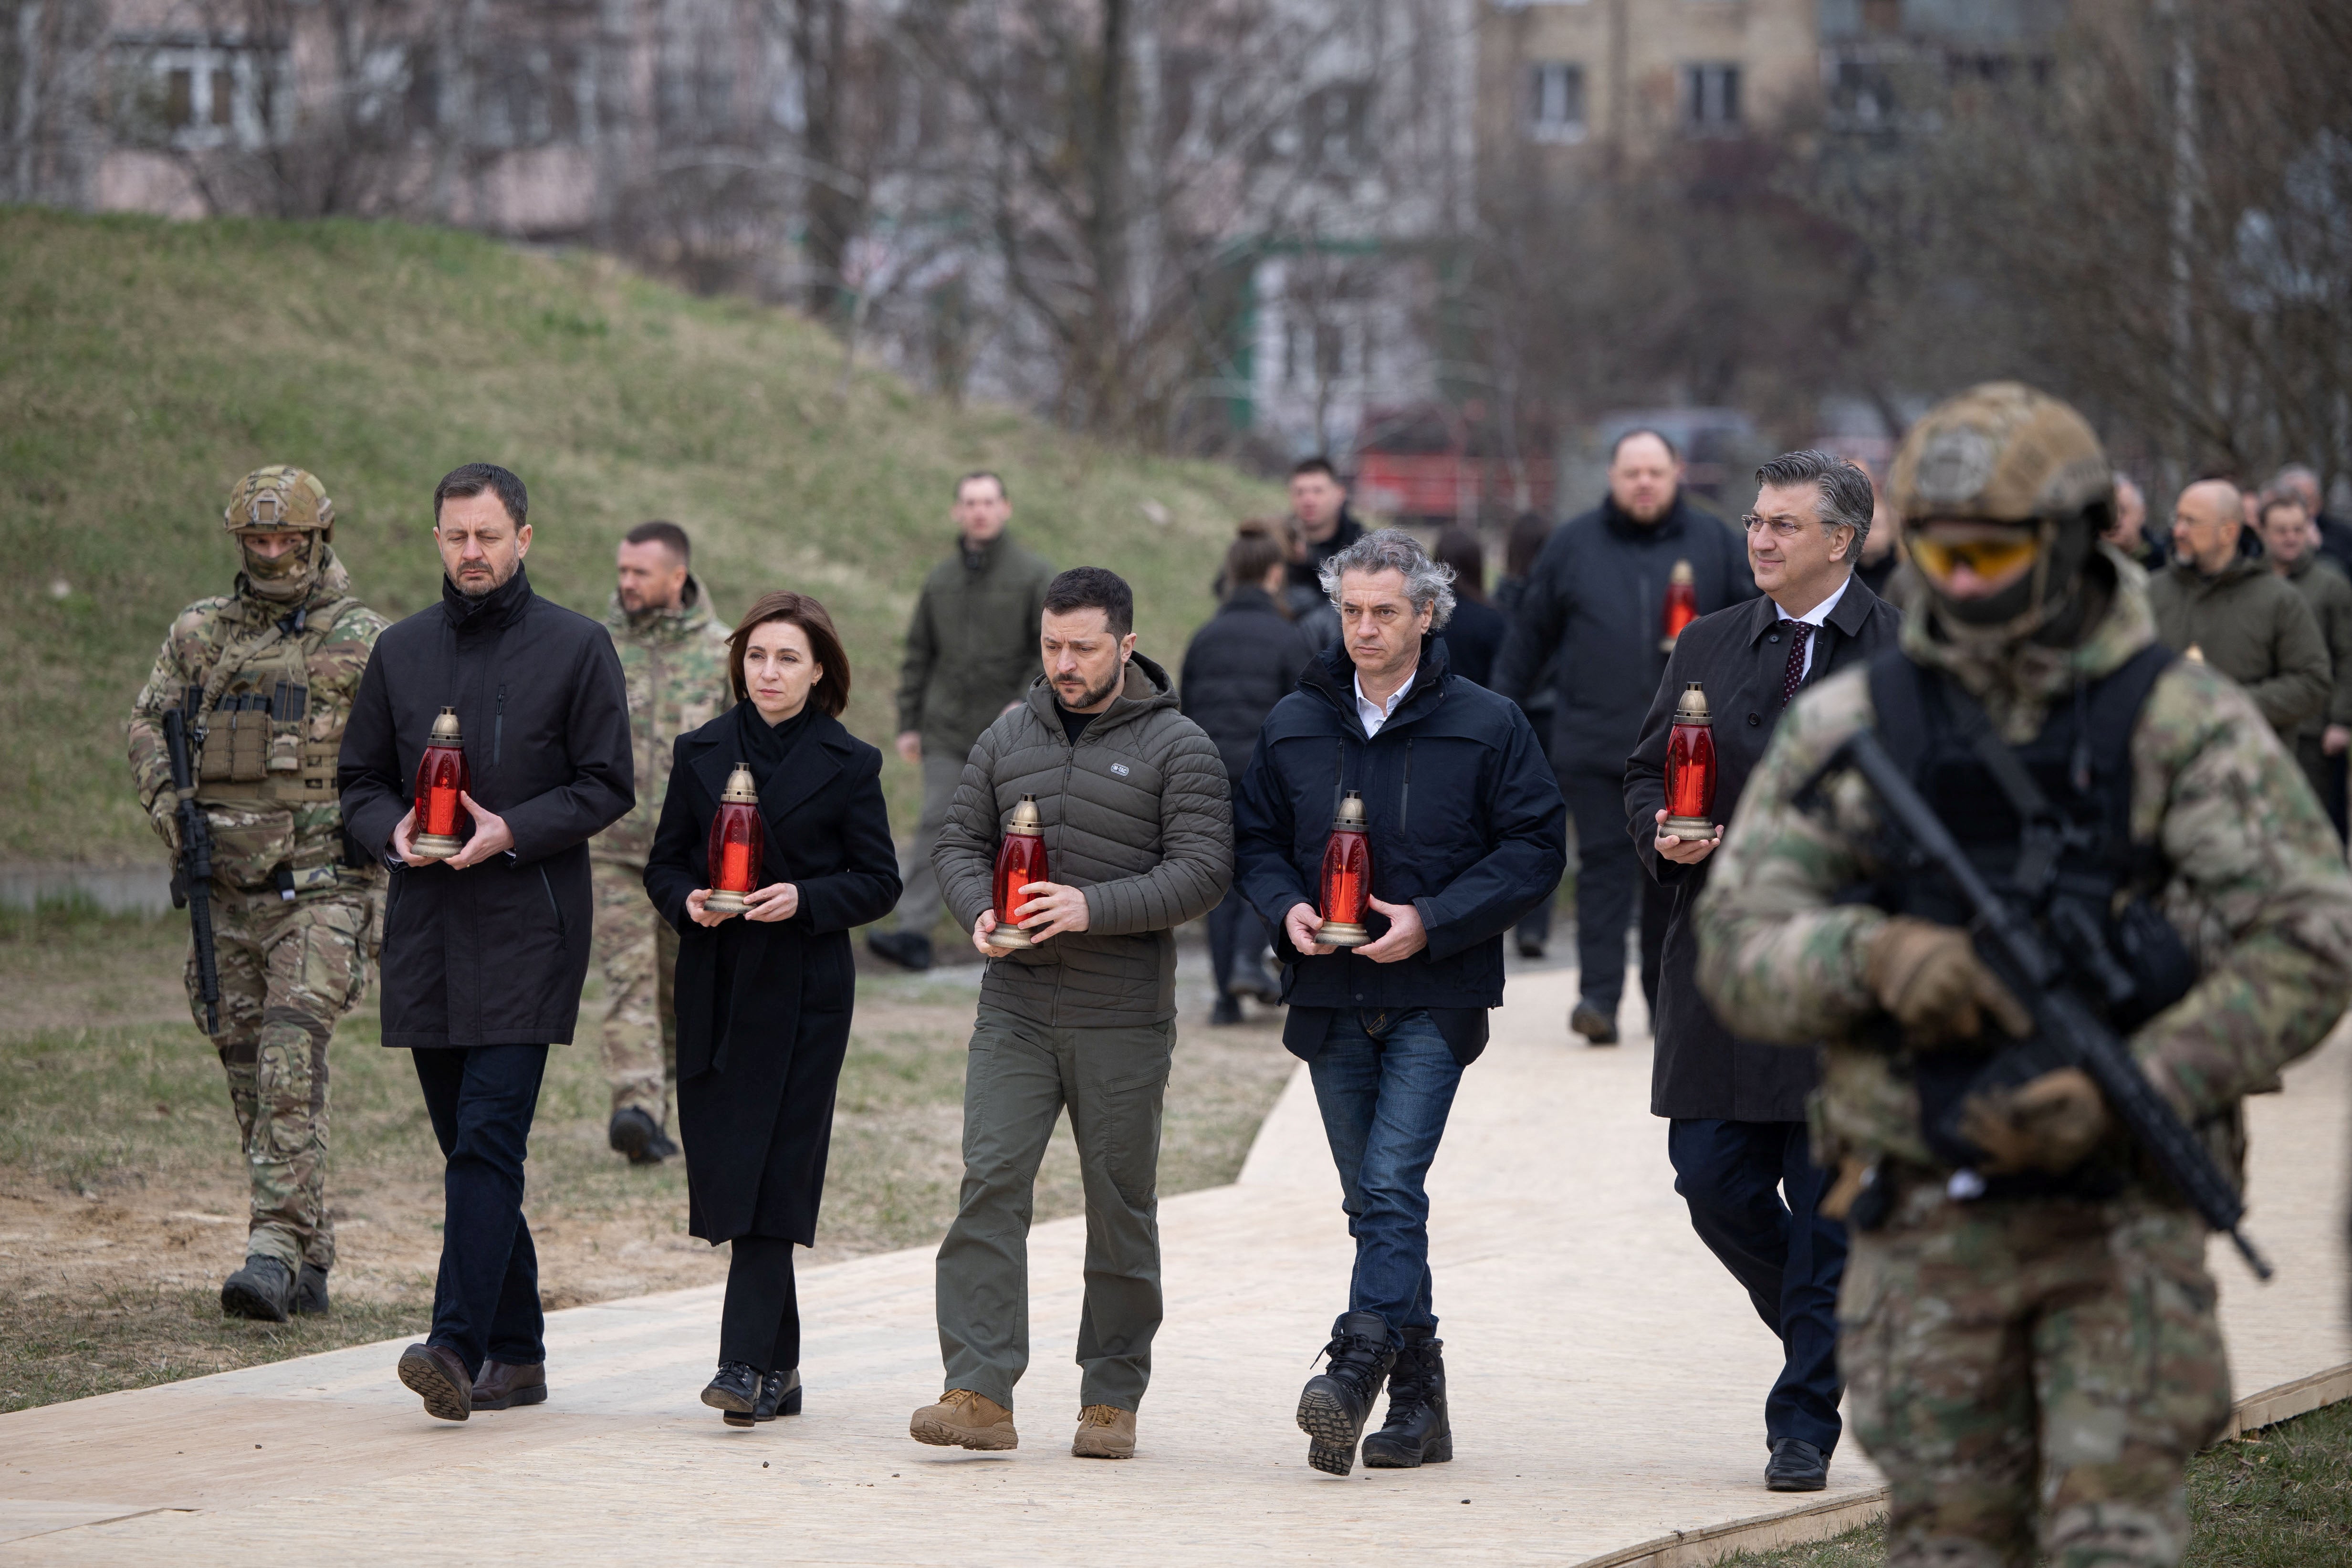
(1781, 527)
(1985, 557)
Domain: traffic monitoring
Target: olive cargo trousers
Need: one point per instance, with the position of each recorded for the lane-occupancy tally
(1018, 1080)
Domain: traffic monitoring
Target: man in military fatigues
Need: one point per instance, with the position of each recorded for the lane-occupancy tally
(266, 676)
(674, 653)
(2027, 1327)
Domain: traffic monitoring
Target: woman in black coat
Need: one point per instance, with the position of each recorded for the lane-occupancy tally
(763, 1001)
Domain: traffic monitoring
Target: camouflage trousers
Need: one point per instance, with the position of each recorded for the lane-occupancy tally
(2031, 1366)
(287, 973)
(636, 952)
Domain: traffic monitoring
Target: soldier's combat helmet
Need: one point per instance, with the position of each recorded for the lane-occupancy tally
(281, 498)
(2004, 453)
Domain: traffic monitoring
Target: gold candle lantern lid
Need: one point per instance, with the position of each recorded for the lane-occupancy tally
(1351, 817)
(445, 729)
(741, 788)
(1682, 574)
(1691, 707)
(1026, 822)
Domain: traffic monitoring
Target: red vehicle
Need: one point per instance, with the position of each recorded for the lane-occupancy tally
(1432, 464)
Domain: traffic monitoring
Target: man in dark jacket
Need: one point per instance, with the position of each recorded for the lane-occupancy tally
(1596, 601)
(1467, 833)
(2291, 544)
(1247, 658)
(1318, 505)
(484, 952)
(1139, 839)
(1473, 637)
(2301, 482)
(1736, 1131)
(972, 649)
(2241, 617)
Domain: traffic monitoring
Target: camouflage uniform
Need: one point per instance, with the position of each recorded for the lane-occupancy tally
(289, 967)
(676, 662)
(2052, 1354)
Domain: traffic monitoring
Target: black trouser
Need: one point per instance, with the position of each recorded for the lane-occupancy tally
(1788, 1257)
(761, 1324)
(1236, 937)
(1608, 879)
(1536, 927)
(486, 1299)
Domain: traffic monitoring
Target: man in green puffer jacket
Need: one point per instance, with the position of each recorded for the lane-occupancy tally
(2240, 616)
(1138, 837)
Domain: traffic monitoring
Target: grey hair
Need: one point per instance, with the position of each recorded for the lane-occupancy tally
(1426, 582)
(1847, 499)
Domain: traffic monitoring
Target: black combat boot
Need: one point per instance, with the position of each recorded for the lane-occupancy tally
(310, 1292)
(1418, 1431)
(1337, 1401)
(262, 1289)
(734, 1393)
(779, 1395)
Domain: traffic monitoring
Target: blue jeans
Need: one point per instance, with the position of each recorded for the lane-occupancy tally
(1384, 1082)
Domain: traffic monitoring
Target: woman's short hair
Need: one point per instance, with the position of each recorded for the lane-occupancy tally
(831, 692)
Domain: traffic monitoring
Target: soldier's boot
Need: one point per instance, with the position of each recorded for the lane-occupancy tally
(964, 1419)
(310, 1292)
(637, 1134)
(1418, 1431)
(1337, 1401)
(263, 1290)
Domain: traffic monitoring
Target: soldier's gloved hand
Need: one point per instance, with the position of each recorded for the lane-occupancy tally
(165, 816)
(1931, 978)
(2050, 1123)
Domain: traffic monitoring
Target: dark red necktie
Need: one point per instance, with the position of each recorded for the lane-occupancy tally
(1800, 633)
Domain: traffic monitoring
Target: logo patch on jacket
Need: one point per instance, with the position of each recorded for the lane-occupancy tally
(1119, 768)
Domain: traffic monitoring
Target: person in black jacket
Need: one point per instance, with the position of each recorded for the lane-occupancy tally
(1467, 833)
(1245, 659)
(1318, 509)
(484, 953)
(1596, 602)
(1521, 545)
(764, 1002)
(1735, 1109)
(1473, 637)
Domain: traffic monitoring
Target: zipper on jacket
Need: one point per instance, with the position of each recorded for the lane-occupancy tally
(1405, 793)
(499, 734)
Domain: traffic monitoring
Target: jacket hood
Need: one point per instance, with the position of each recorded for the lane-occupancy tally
(1148, 688)
(681, 621)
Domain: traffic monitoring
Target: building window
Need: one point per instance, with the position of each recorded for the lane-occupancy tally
(1556, 101)
(1710, 98)
(187, 93)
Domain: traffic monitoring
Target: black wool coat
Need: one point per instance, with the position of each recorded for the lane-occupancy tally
(494, 954)
(1595, 602)
(757, 1064)
(1465, 823)
(1245, 659)
(1474, 639)
(1700, 1069)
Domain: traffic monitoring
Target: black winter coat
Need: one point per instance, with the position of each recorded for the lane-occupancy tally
(1466, 824)
(1474, 639)
(1245, 659)
(1596, 598)
(1699, 1068)
(494, 954)
(757, 1066)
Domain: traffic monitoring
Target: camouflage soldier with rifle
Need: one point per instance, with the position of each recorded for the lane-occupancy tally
(2030, 831)
(256, 685)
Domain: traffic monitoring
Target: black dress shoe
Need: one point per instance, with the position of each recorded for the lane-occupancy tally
(263, 1290)
(1228, 1010)
(504, 1385)
(908, 949)
(1530, 948)
(310, 1292)
(779, 1395)
(734, 1393)
(1796, 1465)
(435, 1375)
(1594, 1025)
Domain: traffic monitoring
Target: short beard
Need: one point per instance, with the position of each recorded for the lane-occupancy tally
(496, 582)
(1094, 694)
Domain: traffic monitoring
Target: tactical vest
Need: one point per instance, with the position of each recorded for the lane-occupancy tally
(251, 715)
(2048, 825)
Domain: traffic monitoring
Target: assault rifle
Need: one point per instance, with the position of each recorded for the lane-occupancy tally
(2073, 1034)
(192, 878)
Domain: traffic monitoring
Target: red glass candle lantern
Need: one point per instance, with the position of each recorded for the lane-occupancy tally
(738, 842)
(1020, 860)
(442, 824)
(1681, 602)
(1690, 768)
(1347, 876)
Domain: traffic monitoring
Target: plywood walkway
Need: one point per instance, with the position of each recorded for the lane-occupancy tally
(1608, 1384)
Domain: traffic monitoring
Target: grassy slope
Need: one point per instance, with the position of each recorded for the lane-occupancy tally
(145, 365)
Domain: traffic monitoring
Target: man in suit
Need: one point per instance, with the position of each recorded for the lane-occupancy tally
(1734, 1108)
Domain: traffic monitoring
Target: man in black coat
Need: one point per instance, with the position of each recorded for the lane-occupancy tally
(484, 952)
(1318, 505)
(1467, 833)
(1737, 1132)
(1596, 601)
(1245, 659)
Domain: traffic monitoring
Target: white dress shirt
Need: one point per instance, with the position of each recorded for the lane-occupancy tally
(1375, 714)
(1819, 615)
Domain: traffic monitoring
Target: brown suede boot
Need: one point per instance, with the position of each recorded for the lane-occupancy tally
(962, 1419)
(1105, 1432)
